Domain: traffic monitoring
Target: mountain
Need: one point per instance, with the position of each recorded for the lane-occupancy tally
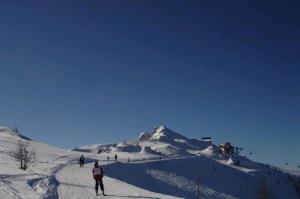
(172, 162)
(162, 164)
(55, 173)
(163, 141)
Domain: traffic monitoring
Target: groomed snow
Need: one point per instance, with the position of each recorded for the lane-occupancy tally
(161, 168)
(77, 183)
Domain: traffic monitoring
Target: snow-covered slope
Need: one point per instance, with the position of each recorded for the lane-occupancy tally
(178, 176)
(164, 164)
(77, 184)
(55, 173)
(33, 183)
(169, 163)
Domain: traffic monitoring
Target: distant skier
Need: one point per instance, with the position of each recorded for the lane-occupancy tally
(81, 161)
(116, 157)
(98, 175)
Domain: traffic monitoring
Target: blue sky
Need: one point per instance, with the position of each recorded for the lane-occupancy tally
(81, 72)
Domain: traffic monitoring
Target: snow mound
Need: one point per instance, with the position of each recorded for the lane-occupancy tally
(128, 147)
(210, 151)
(169, 150)
(93, 148)
(230, 161)
(4, 131)
(147, 150)
(144, 136)
(236, 160)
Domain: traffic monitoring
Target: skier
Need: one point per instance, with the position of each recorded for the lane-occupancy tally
(81, 161)
(116, 157)
(98, 175)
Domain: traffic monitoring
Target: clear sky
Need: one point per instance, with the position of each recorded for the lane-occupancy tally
(81, 72)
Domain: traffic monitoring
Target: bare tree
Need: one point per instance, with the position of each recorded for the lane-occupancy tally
(264, 191)
(24, 154)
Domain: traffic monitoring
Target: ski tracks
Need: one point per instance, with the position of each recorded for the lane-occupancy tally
(7, 187)
(43, 185)
(52, 183)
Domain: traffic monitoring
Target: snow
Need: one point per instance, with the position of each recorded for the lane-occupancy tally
(92, 148)
(12, 132)
(56, 174)
(182, 183)
(230, 161)
(77, 183)
(144, 136)
(209, 151)
(166, 165)
(128, 147)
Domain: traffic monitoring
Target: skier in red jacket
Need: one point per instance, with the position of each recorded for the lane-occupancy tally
(98, 175)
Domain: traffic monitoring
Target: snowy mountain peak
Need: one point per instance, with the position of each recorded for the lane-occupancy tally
(163, 142)
(164, 133)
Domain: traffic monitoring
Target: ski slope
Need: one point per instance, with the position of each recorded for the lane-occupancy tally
(77, 183)
(55, 174)
(165, 166)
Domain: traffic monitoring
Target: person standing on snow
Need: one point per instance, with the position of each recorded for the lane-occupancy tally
(81, 161)
(98, 175)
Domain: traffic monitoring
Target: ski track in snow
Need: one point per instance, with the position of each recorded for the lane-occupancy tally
(53, 183)
(43, 184)
(10, 190)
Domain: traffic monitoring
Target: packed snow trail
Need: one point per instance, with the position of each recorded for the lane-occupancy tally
(77, 183)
